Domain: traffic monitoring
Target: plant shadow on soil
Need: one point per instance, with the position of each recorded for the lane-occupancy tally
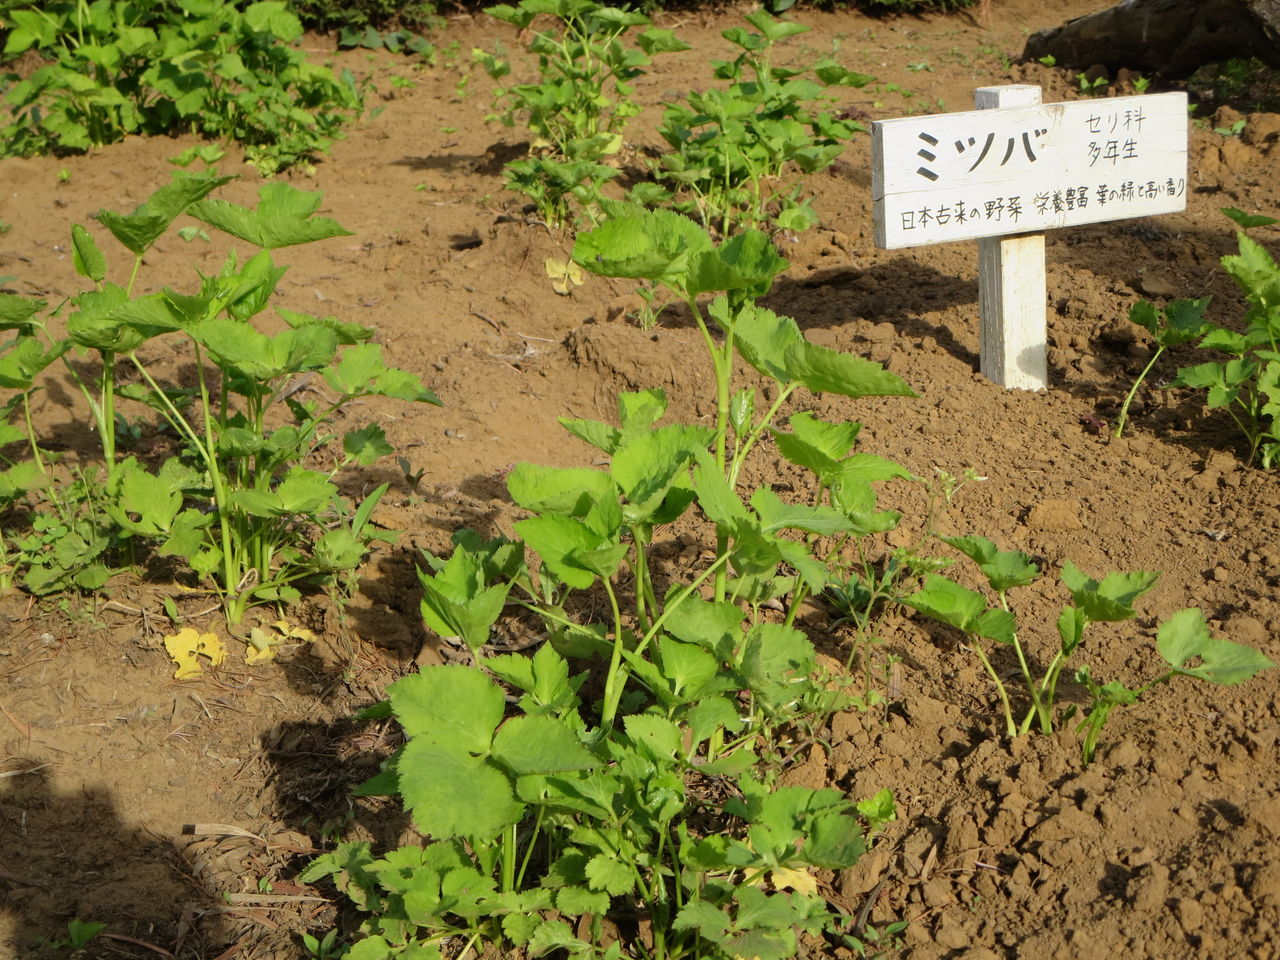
(70, 856)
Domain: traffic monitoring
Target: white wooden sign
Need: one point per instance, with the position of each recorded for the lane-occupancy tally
(984, 173)
(1011, 169)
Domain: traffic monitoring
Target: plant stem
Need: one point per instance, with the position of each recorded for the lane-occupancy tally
(1124, 408)
(616, 679)
(1010, 728)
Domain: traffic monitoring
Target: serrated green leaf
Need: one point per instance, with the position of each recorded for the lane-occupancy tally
(1004, 569)
(828, 371)
(452, 704)
(367, 445)
(139, 230)
(85, 255)
(283, 217)
(610, 875)
(1112, 599)
(453, 794)
(1185, 636)
(539, 744)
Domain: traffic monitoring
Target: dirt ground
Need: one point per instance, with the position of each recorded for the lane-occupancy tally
(178, 812)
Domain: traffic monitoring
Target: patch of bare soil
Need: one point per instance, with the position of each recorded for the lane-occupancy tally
(178, 812)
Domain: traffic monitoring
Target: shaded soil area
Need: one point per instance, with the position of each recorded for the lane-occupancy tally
(179, 812)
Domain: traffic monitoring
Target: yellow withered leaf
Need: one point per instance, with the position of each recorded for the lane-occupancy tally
(263, 642)
(262, 646)
(187, 648)
(801, 881)
(564, 274)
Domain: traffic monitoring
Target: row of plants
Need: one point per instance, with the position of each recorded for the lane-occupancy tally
(633, 809)
(619, 792)
(250, 503)
(213, 68)
(646, 819)
(729, 147)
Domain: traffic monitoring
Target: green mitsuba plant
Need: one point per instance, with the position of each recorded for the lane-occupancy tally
(729, 146)
(1180, 640)
(1247, 385)
(553, 817)
(1178, 323)
(237, 505)
(204, 66)
(578, 109)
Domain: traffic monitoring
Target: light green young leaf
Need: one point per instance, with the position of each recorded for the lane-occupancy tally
(361, 371)
(22, 363)
(565, 545)
(654, 41)
(282, 218)
(774, 653)
(367, 445)
(1185, 636)
(658, 245)
(571, 491)
(947, 601)
(1004, 569)
(599, 435)
(139, 230)
(763, 338)
(1071, 624)
(828, 371)
(776, 515)
(1112, 599)
(656, 736)
(689, 667)
(714, 626)
(16, 312)
(85, 255)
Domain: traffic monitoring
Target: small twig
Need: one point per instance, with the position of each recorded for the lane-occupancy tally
(527, 337)
(137, 943)
(22, 727)
(19, 773)
(860, 922)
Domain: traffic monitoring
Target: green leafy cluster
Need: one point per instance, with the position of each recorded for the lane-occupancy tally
(577, 111)
(204, 66)
(237, 505)
(1180, 640)
(730, 145)
(1247, 385)
(549, 818)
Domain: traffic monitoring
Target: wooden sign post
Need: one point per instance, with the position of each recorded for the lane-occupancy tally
(1003, 174)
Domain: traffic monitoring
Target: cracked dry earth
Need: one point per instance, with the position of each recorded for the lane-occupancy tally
(178, 813)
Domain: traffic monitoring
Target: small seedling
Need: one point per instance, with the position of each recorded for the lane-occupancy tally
(1232, 131)
(1141, 84)
(322, 949)
(1049, 60)
(1181, 639)
(1094, 87)
(80, 934)
(1178, 323)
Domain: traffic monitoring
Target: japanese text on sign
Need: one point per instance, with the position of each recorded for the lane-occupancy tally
(1024, 169)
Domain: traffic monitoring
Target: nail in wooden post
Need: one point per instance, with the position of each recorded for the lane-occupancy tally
(1011, 284)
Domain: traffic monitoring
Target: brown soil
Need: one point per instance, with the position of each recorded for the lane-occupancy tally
(1165, 847)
